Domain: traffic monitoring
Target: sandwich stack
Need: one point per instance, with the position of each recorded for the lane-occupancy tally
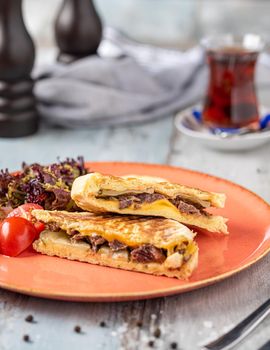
(132, 223)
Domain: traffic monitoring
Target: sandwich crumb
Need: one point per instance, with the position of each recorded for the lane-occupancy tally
(261, 170)
(26, 338)
(77, 329)
(174, 345)
(157, 333)
(29, 318)
(102, 324)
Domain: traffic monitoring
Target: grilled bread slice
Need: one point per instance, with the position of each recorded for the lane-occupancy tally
(137, 196)
(145, 244)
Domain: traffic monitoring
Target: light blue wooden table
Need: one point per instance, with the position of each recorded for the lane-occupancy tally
(189, 319)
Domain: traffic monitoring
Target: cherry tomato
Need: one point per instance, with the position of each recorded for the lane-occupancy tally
(25, 211)
(16, 234)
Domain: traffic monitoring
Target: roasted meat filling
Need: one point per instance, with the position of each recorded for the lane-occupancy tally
(146, 253)
(95, 241)
(185, 206)
(126, 200)
(115, 245)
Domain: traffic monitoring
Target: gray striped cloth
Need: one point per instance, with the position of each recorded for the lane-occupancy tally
(128, 82)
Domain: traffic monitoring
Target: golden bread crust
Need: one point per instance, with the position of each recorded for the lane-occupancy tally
(94, 183)
(130, 230)
(86, 191)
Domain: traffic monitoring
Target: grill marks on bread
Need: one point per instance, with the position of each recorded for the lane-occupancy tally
(134, 238)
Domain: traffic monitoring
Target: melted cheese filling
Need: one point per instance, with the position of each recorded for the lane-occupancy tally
(171, 262)
(187, 249)
(167, 237)
(132, 241)
(106, 193)
(157, 205)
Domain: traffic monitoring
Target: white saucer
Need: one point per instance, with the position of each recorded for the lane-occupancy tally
(206, 138)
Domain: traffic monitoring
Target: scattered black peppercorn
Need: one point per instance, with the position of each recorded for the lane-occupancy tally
(77, 329)
(29, 318)
(157, 332)
(26, 338)
(261, 171)
(102, 324)
(151, 343)
(139, 324)
(174, 345)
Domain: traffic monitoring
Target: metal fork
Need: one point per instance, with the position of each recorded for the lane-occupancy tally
(265, 346)
(240, 331)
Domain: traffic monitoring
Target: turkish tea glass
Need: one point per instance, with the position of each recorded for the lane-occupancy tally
(231, 100)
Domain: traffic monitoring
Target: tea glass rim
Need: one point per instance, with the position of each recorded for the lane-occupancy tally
(249, 41)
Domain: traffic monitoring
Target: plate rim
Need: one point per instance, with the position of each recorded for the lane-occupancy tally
(132, 296)
(214, 138)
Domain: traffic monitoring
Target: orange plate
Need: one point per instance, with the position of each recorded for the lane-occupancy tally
(219, 256)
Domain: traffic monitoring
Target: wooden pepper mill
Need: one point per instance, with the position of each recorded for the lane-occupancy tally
(78, 30)
(18, 115)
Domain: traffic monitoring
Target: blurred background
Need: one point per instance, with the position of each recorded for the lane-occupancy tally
(168, 23)
(176, 24)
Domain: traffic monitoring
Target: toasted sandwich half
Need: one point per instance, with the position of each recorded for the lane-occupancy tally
(137, 196)
(155, 246)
